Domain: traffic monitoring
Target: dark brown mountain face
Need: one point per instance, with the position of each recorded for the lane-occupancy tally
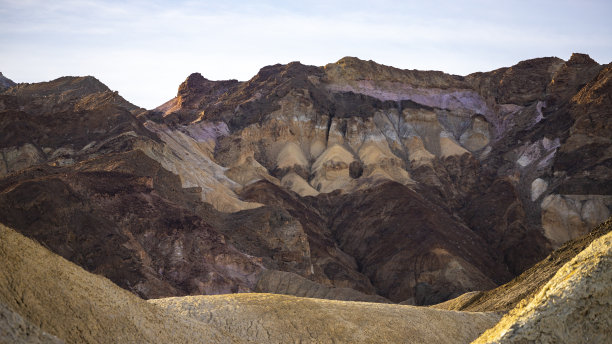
(353, 181)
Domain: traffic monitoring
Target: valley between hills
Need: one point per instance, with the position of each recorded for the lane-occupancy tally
(348, 203)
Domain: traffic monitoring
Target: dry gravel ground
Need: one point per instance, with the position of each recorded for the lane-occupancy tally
(44, 295)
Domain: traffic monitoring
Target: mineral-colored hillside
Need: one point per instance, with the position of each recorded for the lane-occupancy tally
(352, 180)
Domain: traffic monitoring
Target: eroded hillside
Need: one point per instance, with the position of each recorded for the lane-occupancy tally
(350, 181)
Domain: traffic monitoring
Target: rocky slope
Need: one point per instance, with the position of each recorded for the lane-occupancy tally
(46, 299)
(573, 307)
(354, 180)
(73, 306)
(507, 296)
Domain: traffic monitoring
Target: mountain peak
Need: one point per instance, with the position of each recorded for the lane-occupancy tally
(76, 86)
(578, 58)
(5, 82)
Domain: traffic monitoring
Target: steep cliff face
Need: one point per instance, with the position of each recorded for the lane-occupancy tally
(414, 186)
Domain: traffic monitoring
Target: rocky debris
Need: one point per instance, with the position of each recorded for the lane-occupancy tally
(188, 152)
(271, 234)
(498, 215)
(251, 101)
(350, 69)
(64, 121)
(65, 93)
(530, 282)
(197, 90)
(192, 94)
(573, 307)
(565, 217)
(331, 266)
(63, 300)
(520, 84)
(287, 319)
(5, 82)
(589, 141)
(570, 78)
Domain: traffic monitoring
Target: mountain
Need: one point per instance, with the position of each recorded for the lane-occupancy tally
(351, 181)
(5, 82)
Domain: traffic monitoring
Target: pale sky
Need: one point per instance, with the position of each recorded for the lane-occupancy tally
(145, 49)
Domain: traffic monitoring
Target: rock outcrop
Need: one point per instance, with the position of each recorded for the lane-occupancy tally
(127, 218)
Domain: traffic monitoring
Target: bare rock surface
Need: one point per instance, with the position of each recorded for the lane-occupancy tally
(15, 329)
(5, 82)
(439, 257)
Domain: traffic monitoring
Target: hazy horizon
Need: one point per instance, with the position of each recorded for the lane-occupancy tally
(145, 49)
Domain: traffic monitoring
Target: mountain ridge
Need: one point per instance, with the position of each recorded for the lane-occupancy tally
(464, 182)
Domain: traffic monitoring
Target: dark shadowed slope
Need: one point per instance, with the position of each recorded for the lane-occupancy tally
(507, 296)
